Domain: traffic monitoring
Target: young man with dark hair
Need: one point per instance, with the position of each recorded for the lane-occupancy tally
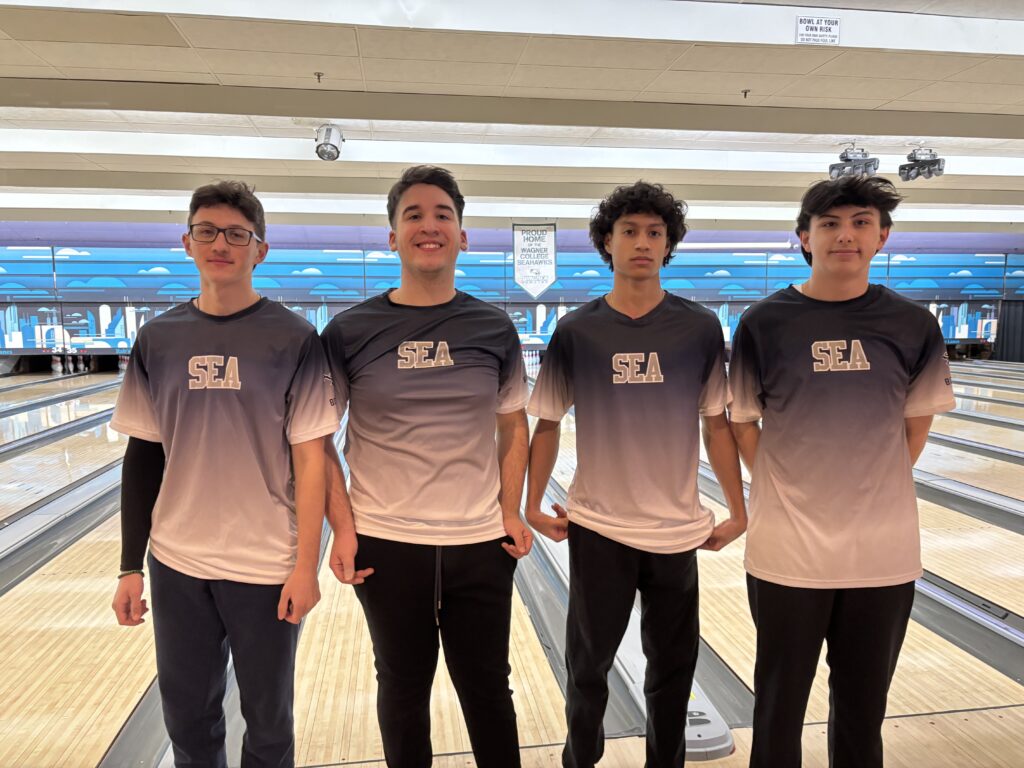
(635, 363)
(845, 377)
(232, 389)
(430, 530)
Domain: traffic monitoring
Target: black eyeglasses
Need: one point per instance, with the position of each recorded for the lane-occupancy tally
(207, 233)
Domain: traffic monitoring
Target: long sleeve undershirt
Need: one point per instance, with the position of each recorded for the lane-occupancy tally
(141, 475)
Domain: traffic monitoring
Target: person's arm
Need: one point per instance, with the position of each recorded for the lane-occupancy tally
(141, 476)
(513, 449)
(543, 455)
(747, 434)
(725, 462)
(917, 428)
(302, 589)
(342, 522)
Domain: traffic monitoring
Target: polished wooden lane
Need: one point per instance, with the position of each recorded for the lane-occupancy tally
(336, 689)
(988, 434)
(51, 388)
(985, 408)
(992, 392)
(71, 675)
(39, 419)
(978, 471)
(35, 474)
(18, 379)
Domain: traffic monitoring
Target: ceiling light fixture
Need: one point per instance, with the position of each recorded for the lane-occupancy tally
(328, 141)
(923, 162)
(854, 161)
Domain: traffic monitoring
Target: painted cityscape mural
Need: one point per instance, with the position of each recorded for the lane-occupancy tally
(75, 298)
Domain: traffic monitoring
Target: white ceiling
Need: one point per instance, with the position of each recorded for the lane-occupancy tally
(86, 71)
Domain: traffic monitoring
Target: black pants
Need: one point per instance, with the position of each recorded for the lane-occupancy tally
(196, 622)
(604, 577)
(864, 629)
(464, 594)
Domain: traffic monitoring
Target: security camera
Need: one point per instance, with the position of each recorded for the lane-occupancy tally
(329, 141)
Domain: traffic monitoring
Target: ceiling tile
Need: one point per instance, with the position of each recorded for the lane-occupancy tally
(13, 53)
(420, 126)
(305, 83)
(395, 70)
(14, 70)
(546, 131)
(197, 129)
(282, 64)
(138, 75)
(444, 89)
(89, 27)
(70, 125)
(940, 106)
(720, 82)
(306, 123)
(605, 54)
(281, 37)
(906, 66)
(191, 118)
(566, 93)
(969, 93)
(825, 102)
(736, 99)
(63, 115)
(427, 45)
(126, 57)
(814, 86)
(592, 78)
(753, 58)
(1009, 71)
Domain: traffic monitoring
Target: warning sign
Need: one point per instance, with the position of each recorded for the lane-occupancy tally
(817, 30)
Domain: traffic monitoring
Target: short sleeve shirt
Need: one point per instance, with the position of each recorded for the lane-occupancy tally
(832, 501)
(422, 386)
(638, 387)
(226, 396)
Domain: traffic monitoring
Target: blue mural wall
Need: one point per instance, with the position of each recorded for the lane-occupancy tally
(79, 297)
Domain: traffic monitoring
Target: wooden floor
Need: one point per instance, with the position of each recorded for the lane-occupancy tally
(31, 476)
(985, 408)
(996, 394)
(71, 675)
(978, 471)
(995, 382)
(335, 693)
(987, 434)
(50, 388)
(30, 422)
(6, 382)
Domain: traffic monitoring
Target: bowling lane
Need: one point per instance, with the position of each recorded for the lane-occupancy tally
(33, 475)
(40, 419)
(979, 471)
(989, 434)
(336, 688)
(19, 379)
(933, 676)
(995, 394)
(51, 388)
(1003, 411)
(72, 676)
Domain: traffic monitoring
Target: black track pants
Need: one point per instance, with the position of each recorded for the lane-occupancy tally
(196, 622)
(604, 577)
(463, 595)
(864, 629)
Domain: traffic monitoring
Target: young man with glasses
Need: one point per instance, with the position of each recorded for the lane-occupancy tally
(226, 401)
(432, 532)
(845, 377)
(644, 370)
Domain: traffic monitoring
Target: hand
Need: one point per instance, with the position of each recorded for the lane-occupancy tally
(520, 533)
(724, 533)
(343, 559)
(555, 528)
(128, 605)
(298, 595)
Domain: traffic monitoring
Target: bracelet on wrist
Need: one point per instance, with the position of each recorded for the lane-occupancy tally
(129, 572)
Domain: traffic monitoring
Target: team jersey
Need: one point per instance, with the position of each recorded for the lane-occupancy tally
(226, 395)
(638, 387)
(832, 502)
(422, 386)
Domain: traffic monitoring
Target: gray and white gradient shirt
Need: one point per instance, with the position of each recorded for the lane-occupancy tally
(638, 387)
(832, 501)
(422, 386)
(226, 396)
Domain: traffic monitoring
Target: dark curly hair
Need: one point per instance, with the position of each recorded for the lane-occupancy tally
(425, 174)
(641, 197)
(867, 191)
(233, 194)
